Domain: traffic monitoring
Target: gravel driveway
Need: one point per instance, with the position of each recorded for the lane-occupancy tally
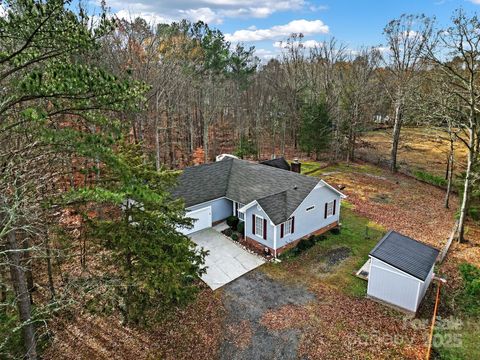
(246, 300)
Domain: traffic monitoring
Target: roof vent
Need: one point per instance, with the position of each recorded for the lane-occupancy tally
(295, 187)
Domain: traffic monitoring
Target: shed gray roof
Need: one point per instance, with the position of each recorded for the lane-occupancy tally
(406, 254)
(278, 192)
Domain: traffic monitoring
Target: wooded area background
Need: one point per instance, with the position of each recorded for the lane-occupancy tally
(97, 110)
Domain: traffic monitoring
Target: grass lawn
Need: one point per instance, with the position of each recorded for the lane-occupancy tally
(326, 263)
(342, 321)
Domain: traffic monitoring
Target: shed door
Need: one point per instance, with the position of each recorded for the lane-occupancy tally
(203, 220)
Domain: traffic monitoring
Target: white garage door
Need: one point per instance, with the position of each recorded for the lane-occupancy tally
(203, 219)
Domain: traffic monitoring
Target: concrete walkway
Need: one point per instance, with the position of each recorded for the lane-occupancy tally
(226, 260)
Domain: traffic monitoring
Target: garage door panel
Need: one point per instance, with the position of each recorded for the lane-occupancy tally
(202, 220)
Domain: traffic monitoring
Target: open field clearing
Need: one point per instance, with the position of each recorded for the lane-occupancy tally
(421, 149)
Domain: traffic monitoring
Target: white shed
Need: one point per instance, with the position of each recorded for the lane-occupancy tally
(401, 270)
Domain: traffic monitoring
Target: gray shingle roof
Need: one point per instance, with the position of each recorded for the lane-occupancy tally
(278, 192)
(280, 163)
(406, 254)
(198, 184)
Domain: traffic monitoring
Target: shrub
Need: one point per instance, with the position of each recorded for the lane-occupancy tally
(241, 227)
(470, 296)
(227, 232)
(232, 221)
(430, 178)
(235, 236)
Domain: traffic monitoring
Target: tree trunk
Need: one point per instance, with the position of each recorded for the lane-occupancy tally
(51, 285)
(22, 295)
(396, 137)
(449, 173)
(205, 137)
(157, 134)
(28, 269)
(467, 186)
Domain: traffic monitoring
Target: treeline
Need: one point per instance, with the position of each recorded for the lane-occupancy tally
(208, 96)
(94, 110)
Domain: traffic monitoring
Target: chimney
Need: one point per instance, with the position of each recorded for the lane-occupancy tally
(296, 166)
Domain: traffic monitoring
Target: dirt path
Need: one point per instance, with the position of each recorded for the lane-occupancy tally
(246, 300)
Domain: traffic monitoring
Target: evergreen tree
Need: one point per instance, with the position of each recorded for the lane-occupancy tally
(152, 266)
(315, 129)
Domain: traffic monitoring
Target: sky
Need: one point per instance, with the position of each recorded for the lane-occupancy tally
(264, 23)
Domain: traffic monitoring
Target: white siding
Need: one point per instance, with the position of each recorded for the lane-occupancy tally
(221, 208)
(307, 222)
(424, 286)
(393, 286)
(257, 210)
(202, 219)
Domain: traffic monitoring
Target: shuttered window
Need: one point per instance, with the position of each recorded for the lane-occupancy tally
(288, 227)
(330, 208)
(259, 227)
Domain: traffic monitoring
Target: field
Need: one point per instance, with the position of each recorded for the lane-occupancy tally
(421, 149)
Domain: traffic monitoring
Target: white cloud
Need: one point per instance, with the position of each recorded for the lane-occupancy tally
(303, 26)
(477, 2)
(265, 54)
(150, 17)
(204, 14)
(210, 11)
(316, 8)
(308, 44)
(383, 49)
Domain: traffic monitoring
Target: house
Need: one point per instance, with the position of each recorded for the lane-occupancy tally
(278, 207)
(401, 270)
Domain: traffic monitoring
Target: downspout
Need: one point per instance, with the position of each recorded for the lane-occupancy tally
(275, 240)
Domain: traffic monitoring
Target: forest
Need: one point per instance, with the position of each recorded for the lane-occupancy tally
(98, 114)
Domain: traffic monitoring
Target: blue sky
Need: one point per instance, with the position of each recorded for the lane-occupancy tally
(263, 23)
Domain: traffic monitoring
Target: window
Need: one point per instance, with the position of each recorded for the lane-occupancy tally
(239, 214)
(288, 227)
(310, 208)
(258, 226)
(330, 208)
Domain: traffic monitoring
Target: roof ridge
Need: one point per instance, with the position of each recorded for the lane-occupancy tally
(229, 173)
(277, 193)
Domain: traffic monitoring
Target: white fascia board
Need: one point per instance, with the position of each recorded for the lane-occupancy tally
(244, 208)
(222, 197)
(324, 183)
(320, 184)
(397, 270)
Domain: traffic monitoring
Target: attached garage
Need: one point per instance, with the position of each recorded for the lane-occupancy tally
(401, 270)
(202, 220)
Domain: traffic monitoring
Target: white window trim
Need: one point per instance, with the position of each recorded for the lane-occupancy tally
(330, 209)
(287, 223)
(310, 208)
(261, 222)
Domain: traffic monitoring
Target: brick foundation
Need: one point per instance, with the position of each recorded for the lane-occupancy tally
(255, 246)
(259, 248)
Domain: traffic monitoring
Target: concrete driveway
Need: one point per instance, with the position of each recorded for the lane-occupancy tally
(226, 260)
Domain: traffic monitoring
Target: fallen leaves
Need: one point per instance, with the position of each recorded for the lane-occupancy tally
(193, 332)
